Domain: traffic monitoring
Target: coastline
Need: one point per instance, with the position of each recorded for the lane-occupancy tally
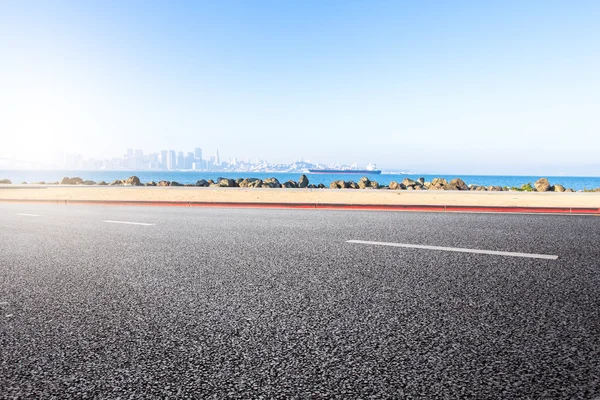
(310, 198)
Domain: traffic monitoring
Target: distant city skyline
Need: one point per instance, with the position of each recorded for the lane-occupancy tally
(457, 86)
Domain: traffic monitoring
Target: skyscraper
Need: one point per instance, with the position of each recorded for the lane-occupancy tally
(198, 154)
(171, 160)
(180, 160)
(218, 161)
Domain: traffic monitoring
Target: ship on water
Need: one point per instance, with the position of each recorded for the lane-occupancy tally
(370, 169)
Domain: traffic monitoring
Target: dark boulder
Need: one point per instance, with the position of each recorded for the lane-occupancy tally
(175, 184)
(89, 183)
(364, 182)
(226, 182)
(271, 183)
(151, 183)
(303, 181)
(133, 181)
(202, 183)
(407, 182)
(458, 184)
(255, 183)
(558, 188)
(337, 184)
(102, 183)
(5, 182)
(542, 185)
(66, 181)
(421, 181)
(163, 183)
(289, 185)
(321, 186)
(396, 186)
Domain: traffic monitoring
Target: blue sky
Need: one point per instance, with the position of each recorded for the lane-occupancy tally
(508, 87)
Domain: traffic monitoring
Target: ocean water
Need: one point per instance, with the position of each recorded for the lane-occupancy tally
(30, 176)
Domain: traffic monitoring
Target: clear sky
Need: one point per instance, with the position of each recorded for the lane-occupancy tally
(505, 87)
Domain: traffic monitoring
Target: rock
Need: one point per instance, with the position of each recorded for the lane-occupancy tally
(66, 181)
(364, 182)
(321, 186)
(89, 183)
(303, 181)
(5, 182)
(23, 183)
(410, 188)
(238, 181)
(102, 183)
(151, 183)
(173, 183)
(352, 185)
(418, 187)
(394, 185)
(407, 182)
(558, 188)
(289, 185)
(421, 181)
(164, 183)
(271, 183)
(458, 184)
(256, 183)
(480, 188)
(542, 185)
(337, 185)
(211, 182)
(374, 185)
(311, 186)
(569, 190)
(77, 181)
(225, 182)
(116, 182)
(439, 182)
(133, 181)
(427, 185)
(202, 183)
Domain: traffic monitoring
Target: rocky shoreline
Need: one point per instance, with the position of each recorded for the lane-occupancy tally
(541, 185)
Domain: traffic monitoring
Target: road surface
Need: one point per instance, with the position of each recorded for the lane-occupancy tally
(140, 302)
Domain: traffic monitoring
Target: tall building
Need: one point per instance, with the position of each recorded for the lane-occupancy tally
(189, 160)
(171, 160)
(198, 154)
(180, 160)
(163, 159)
(218, 161)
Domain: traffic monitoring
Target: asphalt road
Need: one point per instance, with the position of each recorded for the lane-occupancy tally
(233, 303)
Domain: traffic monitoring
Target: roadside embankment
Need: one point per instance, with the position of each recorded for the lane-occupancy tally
(305, 198)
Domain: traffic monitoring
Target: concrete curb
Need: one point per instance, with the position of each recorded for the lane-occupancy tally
(322, 206)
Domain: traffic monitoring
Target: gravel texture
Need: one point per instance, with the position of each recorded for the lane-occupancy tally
(222, 303)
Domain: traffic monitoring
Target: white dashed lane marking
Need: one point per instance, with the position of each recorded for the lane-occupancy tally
(128, 223)
(457, 249)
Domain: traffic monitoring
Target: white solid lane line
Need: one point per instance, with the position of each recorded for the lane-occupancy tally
(28, 215)
(128, 223)
(457, 249)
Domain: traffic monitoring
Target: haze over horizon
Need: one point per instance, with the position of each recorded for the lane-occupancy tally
(456, 87)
